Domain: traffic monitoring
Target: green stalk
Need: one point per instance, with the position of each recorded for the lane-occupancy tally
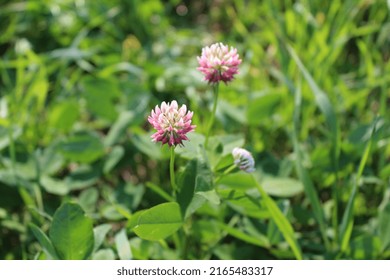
(12, 150)
(172, 171)
(281, 221)
(226, 172)
(215, 91)
(348, 217)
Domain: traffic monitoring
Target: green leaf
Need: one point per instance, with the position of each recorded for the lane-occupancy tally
(104, 254)
(71, 233)
(328, 111)
(100, 233)
(159, 221)
(228, 142)
(123, 245)
(196, 185)
(101, 95)
(238, 181)
(303, 175)
(262, 107)
(384, 227)
(321, 99)
(119, 128)
(113, 158)
(54, 186)
(84, 176)
(244, 236)
(348, 217)
(45, 242)
(63, 115)
(281, 221)
(5, 135)
(88, 199)
(191, 147)
(50, 160)
(282, 187)
(365, 248)
(244, 203)
(154, 150)
(84, 147)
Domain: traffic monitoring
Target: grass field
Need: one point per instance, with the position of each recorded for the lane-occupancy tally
(80, 177)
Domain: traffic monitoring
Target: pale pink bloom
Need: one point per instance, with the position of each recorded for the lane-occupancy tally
(218, 63)
(243, 160)
(172, 123)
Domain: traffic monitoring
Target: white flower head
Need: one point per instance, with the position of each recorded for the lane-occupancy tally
(243, 160)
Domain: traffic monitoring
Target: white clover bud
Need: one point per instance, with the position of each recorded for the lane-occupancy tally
(243, 160)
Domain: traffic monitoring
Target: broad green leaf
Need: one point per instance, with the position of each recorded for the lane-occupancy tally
(196, 185)
(133, 220)
(45, 242)
(282, 187)
(159, 221)
(129, 195)
(88, 199)
(10, 178)
(82, 177)
(100, 233)
(384, 226)
(111, 212)
(71, 233)
(84, 147)
(54, 186)
(186, 185)
(123, 245)
(50, 160)
(238, 181)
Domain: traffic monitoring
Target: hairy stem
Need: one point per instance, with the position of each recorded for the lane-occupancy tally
(211, 122)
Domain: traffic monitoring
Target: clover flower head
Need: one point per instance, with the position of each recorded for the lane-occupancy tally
(171, 122)
(219, 63)
(243, 160)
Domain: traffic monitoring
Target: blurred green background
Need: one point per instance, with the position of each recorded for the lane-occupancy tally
(78, 79)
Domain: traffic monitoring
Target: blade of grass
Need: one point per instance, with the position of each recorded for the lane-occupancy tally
(281, 221)
(327, 109)
(302, 173)
(347, 221)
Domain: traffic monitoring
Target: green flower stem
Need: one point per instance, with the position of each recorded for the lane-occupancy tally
(172, 170)
(12, 150)
(281, 221)
(226, 172)
(211, 122)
